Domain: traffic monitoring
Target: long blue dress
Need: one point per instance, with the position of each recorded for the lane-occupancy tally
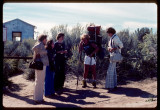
(49, 77)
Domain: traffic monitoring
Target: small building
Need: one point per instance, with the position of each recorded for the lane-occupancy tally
(17, 30)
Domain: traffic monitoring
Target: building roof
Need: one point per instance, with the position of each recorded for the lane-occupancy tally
(21, 21)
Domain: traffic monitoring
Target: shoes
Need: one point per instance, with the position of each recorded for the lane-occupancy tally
(84, 84)
(94, 84)
(59, 92)
(53, 95)
(111, 89)
(39, 101)
(50, 96)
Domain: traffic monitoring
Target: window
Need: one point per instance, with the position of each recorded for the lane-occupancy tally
(16, 36)
(4, 34)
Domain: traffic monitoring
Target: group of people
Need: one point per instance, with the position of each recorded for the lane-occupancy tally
(90, 48)
(51, 79)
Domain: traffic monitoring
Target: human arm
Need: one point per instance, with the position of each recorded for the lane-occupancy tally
(118, 44)
(60, 48)
(112, 49)
(50, 54)
(39, 49)
(80, 47)
(62, 52)
(96, 49)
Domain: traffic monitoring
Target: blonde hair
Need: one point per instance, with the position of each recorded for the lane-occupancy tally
(85, 36)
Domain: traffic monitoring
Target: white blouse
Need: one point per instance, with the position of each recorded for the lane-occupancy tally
(116, 42)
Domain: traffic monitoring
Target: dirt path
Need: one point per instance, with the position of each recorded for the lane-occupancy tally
(135, 94)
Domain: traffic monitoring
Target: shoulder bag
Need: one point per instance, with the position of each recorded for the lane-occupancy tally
(116, 55)
(36, 63)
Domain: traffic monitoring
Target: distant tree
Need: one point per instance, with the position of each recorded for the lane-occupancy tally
(75, 33)
(142, 32)
(57, 29)
(127, 41)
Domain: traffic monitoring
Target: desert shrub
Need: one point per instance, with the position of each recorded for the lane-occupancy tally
(10, 47)
(147, 57)
(139, 52)
(141, 55)
(13, 67)
(140, 33)
(29, 74)
(101, 68)
(73, 65)
(6, 71)
(21, 49)
(10, 68)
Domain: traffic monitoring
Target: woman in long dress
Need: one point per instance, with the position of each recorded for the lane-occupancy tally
(50, 70)
(114, 45)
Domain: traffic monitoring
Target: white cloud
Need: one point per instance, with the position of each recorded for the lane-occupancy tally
(138, 25)
(46, 26)
(95, 8)
(128, 10)
(40, 25)
(46, 15)
(109, 25)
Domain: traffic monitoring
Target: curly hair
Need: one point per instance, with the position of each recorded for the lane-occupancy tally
(111, 30)
(85, 36)
(42, 37)
(59, 35)
(49, 44)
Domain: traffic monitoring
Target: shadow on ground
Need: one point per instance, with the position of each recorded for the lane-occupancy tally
(78, 96)
(73, 96)
(13, 88)
(30, 101)
(133, 92)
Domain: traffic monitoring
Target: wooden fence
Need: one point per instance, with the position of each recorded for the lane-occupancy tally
(25, 58)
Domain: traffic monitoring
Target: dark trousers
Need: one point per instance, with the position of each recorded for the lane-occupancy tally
(59, 73)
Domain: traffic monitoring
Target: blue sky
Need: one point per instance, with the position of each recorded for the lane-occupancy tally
(119, 15)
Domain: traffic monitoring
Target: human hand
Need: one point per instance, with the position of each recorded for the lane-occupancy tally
(109, 49)
(112, 49)
(65, 51)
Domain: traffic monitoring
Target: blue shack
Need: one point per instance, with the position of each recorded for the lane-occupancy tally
(17, 30)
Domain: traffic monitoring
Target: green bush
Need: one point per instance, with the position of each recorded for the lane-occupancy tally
(13, 67)
(72, 64)
(6, 71)
(140, 56)
(139, 52)
(29, 74)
